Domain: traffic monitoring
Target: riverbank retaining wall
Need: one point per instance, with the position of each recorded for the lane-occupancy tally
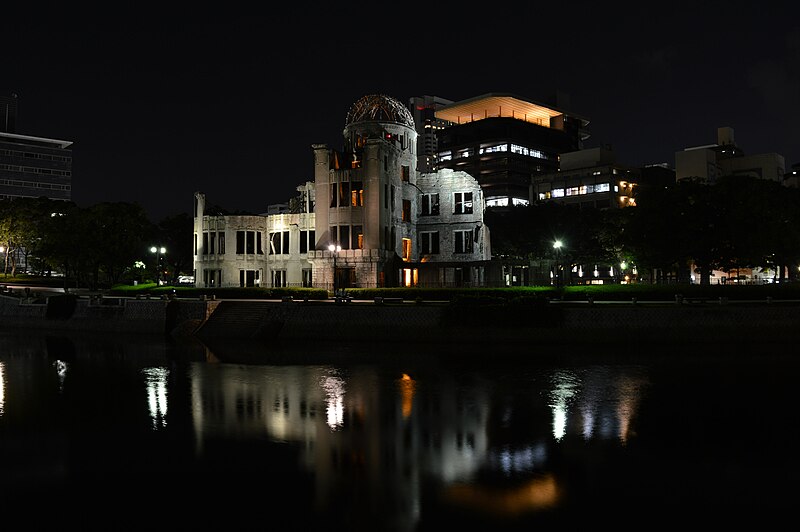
(548, 322)
(124, 315)
(298, 321)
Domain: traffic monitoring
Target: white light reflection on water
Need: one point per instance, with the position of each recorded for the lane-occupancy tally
(607, 402)
(517, 460)
(588, 420)
(566, 386)
(156, 383)
(334, 387)
(630, 392)
(61, 371)
(453, 429)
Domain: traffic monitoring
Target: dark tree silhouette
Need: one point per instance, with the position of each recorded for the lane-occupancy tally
(175, 233)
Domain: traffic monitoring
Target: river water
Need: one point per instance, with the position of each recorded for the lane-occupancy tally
(109, 432)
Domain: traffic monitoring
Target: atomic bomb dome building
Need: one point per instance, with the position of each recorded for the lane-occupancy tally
(368, 219)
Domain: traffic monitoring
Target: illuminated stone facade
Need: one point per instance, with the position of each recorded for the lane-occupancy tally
(388, 224)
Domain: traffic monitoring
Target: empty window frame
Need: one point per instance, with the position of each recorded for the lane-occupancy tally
(344, 193)
(430, 205)
(278, 278)
(279, 243)
(249, 277)
(334, 195)
(429, 243)
(344, 236)
(250, 243)
(304, 242)
(462, 203)
(240, 242)
(357, 194)
(358, 237)
(463, 241)
(406, 249)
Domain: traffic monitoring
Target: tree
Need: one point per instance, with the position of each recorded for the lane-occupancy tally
(652, 235)
(115, 240)
(175, 233)
(9, 234)
(745, 214)
(63, 238)
(21, 228)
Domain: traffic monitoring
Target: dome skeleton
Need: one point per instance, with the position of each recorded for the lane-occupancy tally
(378, 107)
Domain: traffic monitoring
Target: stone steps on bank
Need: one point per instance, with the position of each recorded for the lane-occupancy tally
(237, 319)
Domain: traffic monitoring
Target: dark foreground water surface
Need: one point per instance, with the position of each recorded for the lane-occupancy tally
(115, 433)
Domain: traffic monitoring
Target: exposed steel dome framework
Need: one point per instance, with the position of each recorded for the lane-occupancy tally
(379, 108)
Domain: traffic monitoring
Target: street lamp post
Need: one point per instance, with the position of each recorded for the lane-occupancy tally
(557, 246)
(334, 249)
(159, 251)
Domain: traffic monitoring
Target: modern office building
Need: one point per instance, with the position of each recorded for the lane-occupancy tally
(31, 167)
(710, 162)
(8, 113)
(423, 109)
(368, 219)
(655, 176)
(504, 140)
(588, 178)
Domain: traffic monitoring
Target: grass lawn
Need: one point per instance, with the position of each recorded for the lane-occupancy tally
(610, 292)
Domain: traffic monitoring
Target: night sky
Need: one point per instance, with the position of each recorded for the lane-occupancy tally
(160, 105)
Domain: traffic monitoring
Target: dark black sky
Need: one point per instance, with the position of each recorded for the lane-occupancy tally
(159, 104)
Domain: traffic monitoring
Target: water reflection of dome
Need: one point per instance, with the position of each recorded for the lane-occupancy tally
(379, 108)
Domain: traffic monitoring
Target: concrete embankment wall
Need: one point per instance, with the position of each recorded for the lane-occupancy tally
(297, 321)
(125, 315)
